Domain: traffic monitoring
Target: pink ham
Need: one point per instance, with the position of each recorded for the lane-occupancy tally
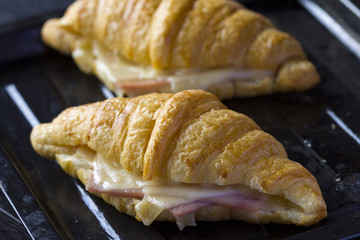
(185, 209)
(238, 200)
(140, 86)
(231, 199)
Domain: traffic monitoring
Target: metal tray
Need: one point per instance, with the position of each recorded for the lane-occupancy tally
(319, 128)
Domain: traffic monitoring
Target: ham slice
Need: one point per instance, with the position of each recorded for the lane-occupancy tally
(239, 200)
(232, 199)
(185, 209)
(141, 86)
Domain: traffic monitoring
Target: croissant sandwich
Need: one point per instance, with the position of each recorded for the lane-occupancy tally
(142, 46)
(180, 157)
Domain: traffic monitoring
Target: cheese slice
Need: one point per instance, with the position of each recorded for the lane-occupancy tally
(128, 78)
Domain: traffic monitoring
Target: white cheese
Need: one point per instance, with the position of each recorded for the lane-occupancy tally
(113, 70)
(159, 194)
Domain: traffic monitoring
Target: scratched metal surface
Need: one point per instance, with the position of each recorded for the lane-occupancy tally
(319, 128)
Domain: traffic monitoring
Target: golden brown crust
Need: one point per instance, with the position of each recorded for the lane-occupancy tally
(175, 114)
(188, 137)
(296, 74)
(62, 40)
(171, 35)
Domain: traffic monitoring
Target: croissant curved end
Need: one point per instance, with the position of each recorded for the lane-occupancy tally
(296, 76)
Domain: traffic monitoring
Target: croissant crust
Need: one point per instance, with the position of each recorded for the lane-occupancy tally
(170, 36)
(189, 137)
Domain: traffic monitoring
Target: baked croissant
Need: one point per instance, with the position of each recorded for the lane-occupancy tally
(180, 157)
(141, 46)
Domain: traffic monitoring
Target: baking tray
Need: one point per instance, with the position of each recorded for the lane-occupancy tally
(319, 129)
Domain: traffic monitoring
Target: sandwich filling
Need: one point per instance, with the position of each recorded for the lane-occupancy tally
(127, 78)
(182, 200)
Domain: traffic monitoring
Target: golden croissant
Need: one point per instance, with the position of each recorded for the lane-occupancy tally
(142, 46)
(180, 157)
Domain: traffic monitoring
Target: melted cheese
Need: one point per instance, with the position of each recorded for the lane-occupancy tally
(114, 70)
(158, 195)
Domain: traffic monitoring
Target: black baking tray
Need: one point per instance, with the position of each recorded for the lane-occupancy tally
(319, 128)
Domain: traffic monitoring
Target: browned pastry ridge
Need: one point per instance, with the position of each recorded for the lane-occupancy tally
(180, 157)
(141, 46)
